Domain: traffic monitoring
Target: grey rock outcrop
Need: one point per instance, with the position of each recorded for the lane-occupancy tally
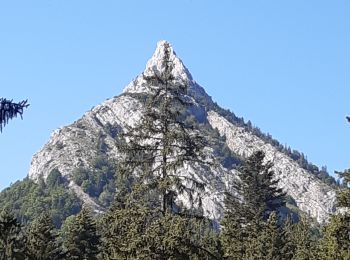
(76, 145)
(311, 195)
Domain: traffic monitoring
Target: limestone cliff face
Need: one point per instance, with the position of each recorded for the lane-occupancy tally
(311, 195)
(76, 145)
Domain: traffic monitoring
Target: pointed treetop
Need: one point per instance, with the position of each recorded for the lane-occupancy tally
(155, 65)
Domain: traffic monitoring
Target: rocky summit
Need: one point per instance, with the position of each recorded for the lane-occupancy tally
(76, 145)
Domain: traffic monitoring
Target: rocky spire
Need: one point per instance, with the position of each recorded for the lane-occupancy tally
(155, 66)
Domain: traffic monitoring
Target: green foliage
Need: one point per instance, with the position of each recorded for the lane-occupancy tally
(28, 199)
(145, 222)
(287, 236)
(10, 110)
(123, 233)
(343, 197)
(82, 239)
(12, 239)
(142, 233)
(305, 247)
(250, 223)
(42, 242)
(335, 243)
(163, 140)
(54, 179)
(99, 181)
(258, 194)
(266, 244)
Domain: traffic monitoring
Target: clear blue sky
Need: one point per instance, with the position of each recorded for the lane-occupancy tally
(282, 64)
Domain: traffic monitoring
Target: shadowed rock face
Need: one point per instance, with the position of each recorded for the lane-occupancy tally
(76, 145)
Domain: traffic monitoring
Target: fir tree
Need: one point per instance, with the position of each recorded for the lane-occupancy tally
(288, 246)
(145, 221)
(42, 239)
(271, 239)
(266, 244)
(124, 231)
(82, 239)
(305, 247)
(158, 147)
(343, 197)
(335, 243)
(9, 110)
(12, 239)
(247, 213)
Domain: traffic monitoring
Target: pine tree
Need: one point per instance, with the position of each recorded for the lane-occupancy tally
(288, 246)
(305, 247)
(162, 143)
(42, 239)
(12, 239)
(82, 239)
(247, 213)
(266, 244)
(343, 197)
(145, 221)
(335, 243)
(9, 110)
(234, 237)
(271, 239)
(124, 231)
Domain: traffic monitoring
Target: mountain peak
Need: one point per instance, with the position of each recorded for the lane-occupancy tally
(155, 66)
(78, 146)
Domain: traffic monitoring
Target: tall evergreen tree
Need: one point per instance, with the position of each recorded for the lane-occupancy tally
(12, 239)
(146, 221)
(82, 239)
(161, 143)
(267, 243)
(335, 243)
(343, 197)
(288, 245)
(305, 246)
(248, 211)
(9, 110)
(42, 239)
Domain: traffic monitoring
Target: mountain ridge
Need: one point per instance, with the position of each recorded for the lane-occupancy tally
(75, 146)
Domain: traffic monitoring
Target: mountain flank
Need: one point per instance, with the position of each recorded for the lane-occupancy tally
(84, 153)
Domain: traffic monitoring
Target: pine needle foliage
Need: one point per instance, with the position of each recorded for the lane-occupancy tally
(12, 239)
(42, 239)
(335, 243)
(305, 246)
(82, 239)
(247, 212)
(145, 221)
(156, 148)
(142, 233)
(10, 110)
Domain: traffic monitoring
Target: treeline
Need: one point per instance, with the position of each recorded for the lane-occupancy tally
(252, 228)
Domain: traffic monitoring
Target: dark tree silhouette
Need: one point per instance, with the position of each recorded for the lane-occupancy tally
(9, 110)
